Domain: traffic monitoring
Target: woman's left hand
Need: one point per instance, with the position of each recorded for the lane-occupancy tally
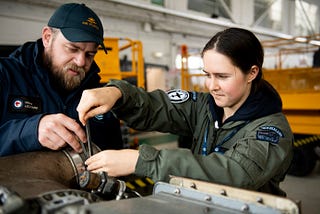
(114, 162)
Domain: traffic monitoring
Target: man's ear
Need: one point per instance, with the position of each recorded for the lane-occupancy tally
(254, 71)
(46, 36)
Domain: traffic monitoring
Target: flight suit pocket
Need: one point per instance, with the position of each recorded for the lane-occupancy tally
(252, 156)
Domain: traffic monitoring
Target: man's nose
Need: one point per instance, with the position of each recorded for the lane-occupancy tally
(80, 59)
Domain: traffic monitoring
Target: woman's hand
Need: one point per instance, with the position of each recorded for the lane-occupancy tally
(97, 101)
(114, 162)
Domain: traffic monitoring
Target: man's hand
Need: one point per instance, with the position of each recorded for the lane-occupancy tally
(55, 131)
(97, 101)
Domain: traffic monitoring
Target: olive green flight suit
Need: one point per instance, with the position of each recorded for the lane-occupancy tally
(256, 156)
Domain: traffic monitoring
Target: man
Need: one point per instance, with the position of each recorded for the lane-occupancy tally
(41, 84)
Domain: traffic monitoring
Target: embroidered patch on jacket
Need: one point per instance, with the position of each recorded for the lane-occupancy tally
(99, 117)
(178, 95)
(24, 104)
(270, 134)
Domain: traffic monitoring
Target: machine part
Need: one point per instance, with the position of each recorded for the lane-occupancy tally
(57, 201)
(122, 189)
(10, 201)
(250, 198)
(32, 173)
(181, 195)
(101, 184)
(89, 180)
(84, 149)
(188, 196)
(77, 159)
(176, 199)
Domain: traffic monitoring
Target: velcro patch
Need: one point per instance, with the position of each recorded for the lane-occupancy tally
(25, 104)
(270, 134)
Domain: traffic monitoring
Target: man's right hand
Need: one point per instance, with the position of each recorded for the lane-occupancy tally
(55, 131)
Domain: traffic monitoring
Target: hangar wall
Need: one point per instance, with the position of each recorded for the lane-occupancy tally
(160, 30)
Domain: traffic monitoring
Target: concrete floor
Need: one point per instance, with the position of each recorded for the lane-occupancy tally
(306, 190)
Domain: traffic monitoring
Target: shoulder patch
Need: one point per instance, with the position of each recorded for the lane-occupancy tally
(270, 134)
(178, 95)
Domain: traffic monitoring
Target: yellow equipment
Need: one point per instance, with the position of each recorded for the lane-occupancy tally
(299, 87)
(110, 63)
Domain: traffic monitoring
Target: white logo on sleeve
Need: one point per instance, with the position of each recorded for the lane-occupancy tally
(178, 95)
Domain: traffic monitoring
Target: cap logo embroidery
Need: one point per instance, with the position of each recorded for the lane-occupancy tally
(91, 22)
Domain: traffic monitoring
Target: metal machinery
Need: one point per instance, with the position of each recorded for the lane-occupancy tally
(299, 88)
(180, 195)
(63, 185)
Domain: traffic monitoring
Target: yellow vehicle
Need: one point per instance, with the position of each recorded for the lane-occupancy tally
(116, 64)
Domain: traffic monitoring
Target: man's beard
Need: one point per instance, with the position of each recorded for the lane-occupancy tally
(59, 75)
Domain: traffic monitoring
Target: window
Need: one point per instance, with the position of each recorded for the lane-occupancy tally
(158, 2)
(305, 18)
(214, 8)
(267, 13)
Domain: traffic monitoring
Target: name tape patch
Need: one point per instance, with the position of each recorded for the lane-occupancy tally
(270, 134)
(24, 104)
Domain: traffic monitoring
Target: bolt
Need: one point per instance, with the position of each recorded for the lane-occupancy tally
(259, 200)
(245, 208)
(193, 185)
(207, 198)
(177, 191)
(223, 192)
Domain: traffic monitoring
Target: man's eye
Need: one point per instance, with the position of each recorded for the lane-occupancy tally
(71, 49)
(90, 56)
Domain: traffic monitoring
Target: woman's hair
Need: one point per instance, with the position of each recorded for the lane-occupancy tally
(242, 47)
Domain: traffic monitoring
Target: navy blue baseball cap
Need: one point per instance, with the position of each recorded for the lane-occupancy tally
(78, 23)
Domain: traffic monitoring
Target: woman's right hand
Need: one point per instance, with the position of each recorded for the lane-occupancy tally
(97, 101)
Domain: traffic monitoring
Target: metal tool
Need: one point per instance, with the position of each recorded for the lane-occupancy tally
(89, 142)
(84, 150)
(87, 148)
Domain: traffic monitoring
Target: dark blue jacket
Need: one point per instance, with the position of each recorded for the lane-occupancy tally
(27, 95)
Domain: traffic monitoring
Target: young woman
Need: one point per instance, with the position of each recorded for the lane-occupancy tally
(241, 137)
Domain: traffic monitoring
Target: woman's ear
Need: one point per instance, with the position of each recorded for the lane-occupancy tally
(254, 71)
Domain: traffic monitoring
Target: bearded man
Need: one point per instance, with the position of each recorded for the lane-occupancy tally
(41, 84)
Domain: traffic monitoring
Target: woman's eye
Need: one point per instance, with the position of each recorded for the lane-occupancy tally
(222, 76)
